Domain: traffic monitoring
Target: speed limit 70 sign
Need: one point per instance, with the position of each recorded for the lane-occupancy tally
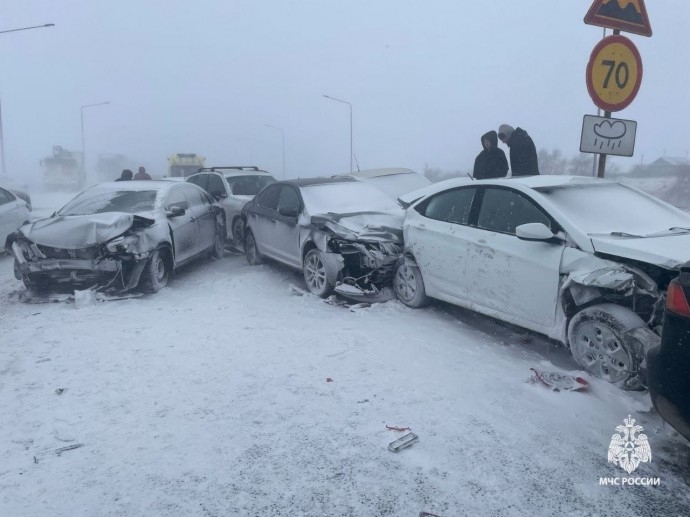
(614, 73)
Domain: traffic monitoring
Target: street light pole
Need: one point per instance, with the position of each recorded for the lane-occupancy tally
(83, 146)
(2, 140)
(283, 134)
(345, 102)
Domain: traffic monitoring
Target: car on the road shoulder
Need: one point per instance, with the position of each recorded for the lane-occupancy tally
(585, 261)
(344, 235)
(232, 187)
(668, 364)
(118, 236)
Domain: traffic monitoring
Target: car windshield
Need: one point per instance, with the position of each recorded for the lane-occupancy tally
(249, 185)
(344, 198)
(612, 208)
(96, 202)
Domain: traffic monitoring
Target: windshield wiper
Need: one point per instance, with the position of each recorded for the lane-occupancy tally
(674, 230)
(625, 234)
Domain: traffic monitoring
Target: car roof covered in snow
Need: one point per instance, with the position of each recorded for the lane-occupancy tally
(308, 182)
(375, 173)
(236, 170)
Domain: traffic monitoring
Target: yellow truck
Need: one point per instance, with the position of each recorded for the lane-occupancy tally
(182, 165)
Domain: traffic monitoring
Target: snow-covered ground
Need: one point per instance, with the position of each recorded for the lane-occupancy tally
(228, 393)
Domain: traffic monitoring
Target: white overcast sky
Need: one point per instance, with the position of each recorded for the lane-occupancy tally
(425, 77)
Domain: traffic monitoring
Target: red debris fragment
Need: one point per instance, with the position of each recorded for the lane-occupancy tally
(396, 428)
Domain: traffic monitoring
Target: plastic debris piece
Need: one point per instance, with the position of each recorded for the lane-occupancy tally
(396, 428)
(559, 381)
(328, 379)
(403, 443)
(68, 448)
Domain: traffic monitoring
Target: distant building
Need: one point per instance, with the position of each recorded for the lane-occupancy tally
(669, 166)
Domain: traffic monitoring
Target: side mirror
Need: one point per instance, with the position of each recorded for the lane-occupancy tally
(176, 211)
(534, 232)
(288, 212)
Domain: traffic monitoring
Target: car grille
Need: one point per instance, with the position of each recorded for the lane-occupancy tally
(60, 253)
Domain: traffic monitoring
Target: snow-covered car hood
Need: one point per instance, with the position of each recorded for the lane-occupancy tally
(374, 226)
(669, 251)
(79, 231)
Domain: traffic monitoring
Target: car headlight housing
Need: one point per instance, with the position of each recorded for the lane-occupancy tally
(121, 243)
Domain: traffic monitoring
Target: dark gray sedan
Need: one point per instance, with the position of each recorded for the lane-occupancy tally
(117, 236)
(343, 234)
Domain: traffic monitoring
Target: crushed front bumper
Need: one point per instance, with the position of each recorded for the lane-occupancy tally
(77, 272)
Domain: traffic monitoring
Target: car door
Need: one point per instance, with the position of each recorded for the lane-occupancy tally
(262, 219)
(285, 231)
(217, 189)
(183, 227)
(435, 234)
(516, 279)
(12, 214)
(203, 215)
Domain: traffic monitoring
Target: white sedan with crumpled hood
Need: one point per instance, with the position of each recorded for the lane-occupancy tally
(583, 260)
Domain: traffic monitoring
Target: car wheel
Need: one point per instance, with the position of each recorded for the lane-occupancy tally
(251, 251)
(237, 234)
(601, 342)
(219, 244)
(409, 285)
(316, 275)
(156, 273)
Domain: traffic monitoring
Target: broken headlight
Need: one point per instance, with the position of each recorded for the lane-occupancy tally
(122, 243)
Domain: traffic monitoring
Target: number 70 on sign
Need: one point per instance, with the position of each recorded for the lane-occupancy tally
(614, 73)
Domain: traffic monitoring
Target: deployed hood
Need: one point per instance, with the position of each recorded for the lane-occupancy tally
(80, 231)
(372, 226)
(668, 251)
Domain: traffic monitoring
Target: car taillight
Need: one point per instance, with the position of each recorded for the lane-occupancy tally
(676, 301)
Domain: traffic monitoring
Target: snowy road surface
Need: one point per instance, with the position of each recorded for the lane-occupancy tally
(211, 398)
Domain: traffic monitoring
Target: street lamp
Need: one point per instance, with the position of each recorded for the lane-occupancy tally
(2, 140)
(345, 102)
(283, 133)
(83, 147)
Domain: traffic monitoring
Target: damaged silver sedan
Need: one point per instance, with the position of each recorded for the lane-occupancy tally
(344, 235)
(582, 260)
(118, 236)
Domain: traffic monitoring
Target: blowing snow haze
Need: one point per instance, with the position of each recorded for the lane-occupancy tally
(230, 80)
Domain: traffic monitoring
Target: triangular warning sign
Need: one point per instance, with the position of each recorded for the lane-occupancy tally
(625, 15)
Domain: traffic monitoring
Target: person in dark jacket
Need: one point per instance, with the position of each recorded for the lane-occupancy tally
(142, 174)
(126, 175)
(523, 154)
(491, 162)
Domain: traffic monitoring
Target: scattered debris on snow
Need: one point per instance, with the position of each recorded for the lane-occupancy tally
(67, 448)
(558, 381)
(403, 443)
(396, 428)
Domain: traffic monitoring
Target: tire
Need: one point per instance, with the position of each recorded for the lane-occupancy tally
(218, 250)
(251, 251)
(600, 341)
(409, 285)
(316, 274)
(156, 273)
(238, 234)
